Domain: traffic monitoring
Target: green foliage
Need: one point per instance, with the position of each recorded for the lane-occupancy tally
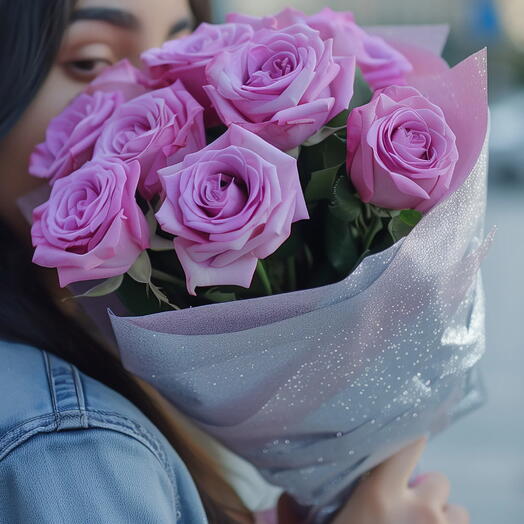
(374, 227)
(334, 151)
(215, 294)
(214, 133)
(362, 93)
(339, 121)
(411, 217)
(336, 125)
(264, 278)
(320, 186)
(142, 272)
(402, 224)
(345, 204)
(104, 288)
(341, 247)
(292, 246)
(136, 298)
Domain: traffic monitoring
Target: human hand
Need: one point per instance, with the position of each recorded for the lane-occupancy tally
(384, 496)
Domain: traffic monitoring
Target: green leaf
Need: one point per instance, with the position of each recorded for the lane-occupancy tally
(362, 93)
(104, 288)
(336, 124)
(401, 225)
(340, 120)
(382, 212)
(320, 186)
(217, 295)
(345, 205)
(321, 135)
(151, 220)
(135, 298)
(161, 297)
(334, 151)
(410, 216)
(341, 247)
(141, 270)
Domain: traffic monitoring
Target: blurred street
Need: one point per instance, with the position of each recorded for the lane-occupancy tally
(483, 454)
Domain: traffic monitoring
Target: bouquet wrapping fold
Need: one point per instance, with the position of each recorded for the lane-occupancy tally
(315, 387)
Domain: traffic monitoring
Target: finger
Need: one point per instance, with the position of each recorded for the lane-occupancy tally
(456, 514)
(396, 471)
(433, 487)
(287, 509)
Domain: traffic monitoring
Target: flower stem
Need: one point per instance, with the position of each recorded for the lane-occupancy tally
(371, 233)
(160, 275)
(262, 274)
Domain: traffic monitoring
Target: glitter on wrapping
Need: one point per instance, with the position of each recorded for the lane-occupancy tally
(316, 387)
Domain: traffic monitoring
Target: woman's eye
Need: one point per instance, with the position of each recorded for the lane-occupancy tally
(86, 69)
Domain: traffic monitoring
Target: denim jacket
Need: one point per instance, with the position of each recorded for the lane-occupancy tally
(74, 451)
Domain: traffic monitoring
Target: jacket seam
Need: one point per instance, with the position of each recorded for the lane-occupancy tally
(97, 419)
(80, 397)
(102, 427)
(52, 392)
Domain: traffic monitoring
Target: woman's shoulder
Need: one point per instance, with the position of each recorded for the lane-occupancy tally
(61, 432)
(40, 392)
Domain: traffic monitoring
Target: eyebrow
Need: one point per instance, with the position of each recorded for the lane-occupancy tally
(123, 19)
(115, 17)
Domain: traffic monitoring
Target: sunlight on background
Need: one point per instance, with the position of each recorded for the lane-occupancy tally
(483, 454)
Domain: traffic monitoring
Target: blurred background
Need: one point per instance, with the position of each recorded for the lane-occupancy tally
(484, 453)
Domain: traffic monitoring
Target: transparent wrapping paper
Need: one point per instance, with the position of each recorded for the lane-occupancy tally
(316, 387)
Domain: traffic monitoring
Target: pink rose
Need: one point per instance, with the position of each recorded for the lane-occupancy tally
(229, 205)
(401, 151)
(186, 58)
(157, 129)
(283, 85)
(71, 136)
(122, 77)
(91, 227)
(323, 20)
(381, 64)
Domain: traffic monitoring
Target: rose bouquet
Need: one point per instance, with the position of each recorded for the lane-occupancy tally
(292, 208)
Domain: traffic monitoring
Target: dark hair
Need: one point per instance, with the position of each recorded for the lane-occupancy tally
(31, 33)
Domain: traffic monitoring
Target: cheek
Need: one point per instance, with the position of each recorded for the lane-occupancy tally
(57, 91)
(16, 147)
